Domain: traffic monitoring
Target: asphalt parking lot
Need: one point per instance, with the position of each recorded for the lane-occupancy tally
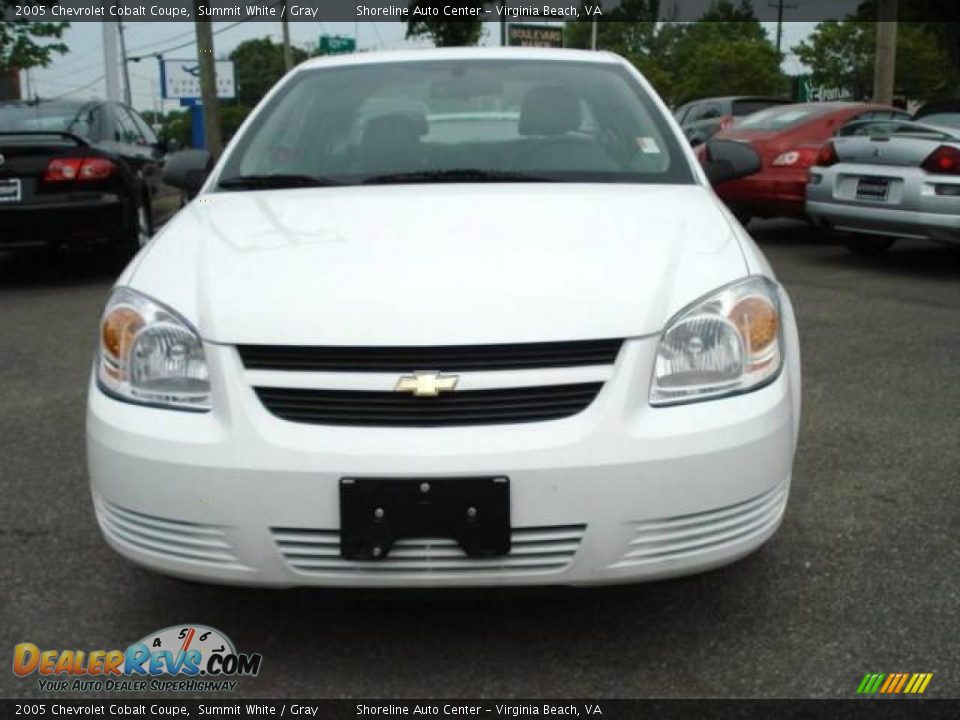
(861, 577)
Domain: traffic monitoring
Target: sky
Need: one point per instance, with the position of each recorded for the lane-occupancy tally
(79, 74)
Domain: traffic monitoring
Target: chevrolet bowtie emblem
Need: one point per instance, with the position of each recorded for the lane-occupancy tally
(426, 384)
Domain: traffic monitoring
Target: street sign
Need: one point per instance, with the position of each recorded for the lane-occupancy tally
(336, 45)
(535, 35)
(180, 79)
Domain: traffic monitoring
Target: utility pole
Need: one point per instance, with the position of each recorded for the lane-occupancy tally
(127, 94)
(287, 53)
(208, 83)
(593, 33)
(885, 67)
(780, 6)
(503, 23)
(108, 30)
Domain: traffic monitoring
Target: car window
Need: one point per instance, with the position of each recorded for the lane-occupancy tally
(125, 129)
(742, 108)
(783, 116)
(705, 111)
(42, 116)
(563, 121)
(146, 132)
(949, 119)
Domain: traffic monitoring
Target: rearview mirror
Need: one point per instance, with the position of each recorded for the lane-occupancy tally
(728, 160)
(187, 170)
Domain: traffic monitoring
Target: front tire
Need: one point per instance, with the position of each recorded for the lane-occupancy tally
(867, 246)
(138, 232)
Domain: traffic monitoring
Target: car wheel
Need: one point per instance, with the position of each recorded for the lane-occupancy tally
(867, 246)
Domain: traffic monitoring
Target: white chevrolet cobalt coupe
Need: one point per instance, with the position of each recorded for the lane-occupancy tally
(453, 317)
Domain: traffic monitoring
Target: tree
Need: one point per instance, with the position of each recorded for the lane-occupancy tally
(727, 53)
(840, 53)
(259, 65)
(21, 41)
(444, 33)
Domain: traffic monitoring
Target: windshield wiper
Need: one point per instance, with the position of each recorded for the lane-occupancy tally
(465, 175)
(273, 182)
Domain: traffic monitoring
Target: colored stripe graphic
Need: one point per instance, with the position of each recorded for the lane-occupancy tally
(870, 683)
(894, 683)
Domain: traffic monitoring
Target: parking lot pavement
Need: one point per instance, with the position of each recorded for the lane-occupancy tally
(861, 577)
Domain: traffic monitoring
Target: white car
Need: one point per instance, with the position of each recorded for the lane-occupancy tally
(504, 334)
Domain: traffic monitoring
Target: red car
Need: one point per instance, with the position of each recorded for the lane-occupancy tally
(787, 138)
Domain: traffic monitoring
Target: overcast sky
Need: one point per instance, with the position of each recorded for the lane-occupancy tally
(79, 74)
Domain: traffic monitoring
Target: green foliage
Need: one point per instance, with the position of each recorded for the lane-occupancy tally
(727, 53)
(22, 42)
(841, 54)
(444, 33)
(259, 64)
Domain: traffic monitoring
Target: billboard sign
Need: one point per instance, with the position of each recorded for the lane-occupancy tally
(181, 79)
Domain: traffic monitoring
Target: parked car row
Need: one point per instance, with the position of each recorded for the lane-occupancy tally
(76, 173)
(871, 173)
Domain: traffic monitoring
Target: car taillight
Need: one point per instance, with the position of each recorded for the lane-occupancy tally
(826, 155)
(802, 158)
(726, 121)
(945, 160)
(81, 168)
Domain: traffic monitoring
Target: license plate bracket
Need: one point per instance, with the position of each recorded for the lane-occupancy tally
(873, 188)
(11, 190)
(376, 512)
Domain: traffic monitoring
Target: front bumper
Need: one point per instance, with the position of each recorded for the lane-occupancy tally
(617, 493)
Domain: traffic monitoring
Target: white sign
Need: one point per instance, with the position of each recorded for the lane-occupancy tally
(181, 79)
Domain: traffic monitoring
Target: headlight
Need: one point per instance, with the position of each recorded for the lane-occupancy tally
(725, 344)
(150, 355)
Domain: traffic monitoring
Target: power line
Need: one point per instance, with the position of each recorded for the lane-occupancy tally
(79, 89)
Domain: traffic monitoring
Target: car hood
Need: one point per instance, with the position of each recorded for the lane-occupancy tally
(440, 264)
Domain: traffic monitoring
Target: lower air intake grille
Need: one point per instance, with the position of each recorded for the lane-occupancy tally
(537, 549)
(173, 539)
(390, 409)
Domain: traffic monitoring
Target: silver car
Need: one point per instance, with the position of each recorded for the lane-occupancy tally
(878, 181)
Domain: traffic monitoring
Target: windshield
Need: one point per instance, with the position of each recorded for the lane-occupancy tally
(782, 117)
(458, 121)
(742, 108)
(948, 119)
(57, 117)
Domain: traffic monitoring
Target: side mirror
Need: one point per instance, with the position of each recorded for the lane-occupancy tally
(729, 160)
(187, 170)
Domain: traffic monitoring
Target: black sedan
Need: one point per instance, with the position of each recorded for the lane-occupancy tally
(77, 173)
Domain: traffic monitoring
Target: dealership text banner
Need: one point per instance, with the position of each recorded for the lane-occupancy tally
(407, 10)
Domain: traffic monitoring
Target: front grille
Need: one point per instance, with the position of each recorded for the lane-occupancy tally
(173, 539)
(391, 409)
(459, 358)
(533, 549)
(685, 535)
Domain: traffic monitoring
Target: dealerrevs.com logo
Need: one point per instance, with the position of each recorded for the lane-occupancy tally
(185, 658)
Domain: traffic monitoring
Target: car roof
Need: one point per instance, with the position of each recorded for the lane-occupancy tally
(462, 53)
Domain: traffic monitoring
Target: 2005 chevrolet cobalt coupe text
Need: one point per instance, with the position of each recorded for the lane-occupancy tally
(453, 317)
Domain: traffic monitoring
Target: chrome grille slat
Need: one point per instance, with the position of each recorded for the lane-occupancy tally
(165, 537)
(685, 535)
(532, 549)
